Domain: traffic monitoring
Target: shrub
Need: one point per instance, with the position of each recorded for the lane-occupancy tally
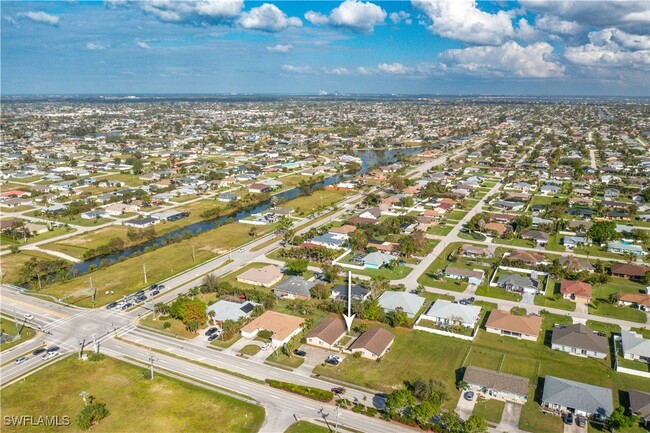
(91, 415)
(265, 334)
(96, 357)
(167, 325)
(307, 391)
(357, 355)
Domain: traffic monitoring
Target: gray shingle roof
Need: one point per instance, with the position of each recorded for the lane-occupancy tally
(580, 336)
(634, 344)
(409, 302)
(295, 286)
(577, 395)
(494, 380)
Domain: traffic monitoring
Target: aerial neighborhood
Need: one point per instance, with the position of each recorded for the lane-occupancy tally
(409, 264)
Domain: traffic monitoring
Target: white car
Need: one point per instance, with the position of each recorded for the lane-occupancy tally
(49, 355)
(336, 357)
(21, 360)
(29, 316)
(266, 346)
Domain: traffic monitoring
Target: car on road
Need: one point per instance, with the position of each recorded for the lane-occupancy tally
(161, 286)
(29, 316)
(568, 418)
(38, 351)
(469, 395)
(21, 360)
(211, 331)
(299, 352)
(153, 287)
(154, 293)
(338, 390)
(49, 355)
(127, 305)
(52, 349)
(111, 305)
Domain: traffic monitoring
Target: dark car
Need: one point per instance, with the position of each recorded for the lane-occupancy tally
(111, 305)
(153, 287)
(213, 336)
(211, 331)
(139, 293)
(38, 351)
(568, 418)
(332, 361)
(299, 352)
(52, 349)
(161, 286)
(469, 395)
(338, 390)
(581, 421)
(154, 293)
(127, 305)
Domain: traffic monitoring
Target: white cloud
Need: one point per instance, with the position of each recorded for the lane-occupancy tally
(393, 68)
(527, 32)
(42, 17)
(612, 48)
(337, 71)
(507, 60)
(143, 45)
(553, 24)
(280, 48)
(176, 10)
(603, 14)
(397, 17)
(298, 69)
(268, 18)
(95, 46)
(461, 20)
(353, 15)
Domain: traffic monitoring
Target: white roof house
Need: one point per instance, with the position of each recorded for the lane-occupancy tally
(443, 311)
(408, 302)
(635, 346)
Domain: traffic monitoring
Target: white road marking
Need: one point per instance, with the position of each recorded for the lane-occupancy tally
(275, 396)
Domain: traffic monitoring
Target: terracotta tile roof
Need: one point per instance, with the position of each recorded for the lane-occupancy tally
(577, 288)
(500, 319)
(282, 325)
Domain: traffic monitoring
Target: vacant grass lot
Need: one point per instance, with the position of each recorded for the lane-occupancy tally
(71, 219)
(601, 307)
(307, 204)
(126, 277)
(553, 298)
(177, 327)
(440, 264)
(136, 404)
(9, 327)
(11, 264)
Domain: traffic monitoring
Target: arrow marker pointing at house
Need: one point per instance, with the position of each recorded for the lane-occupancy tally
(349, 317)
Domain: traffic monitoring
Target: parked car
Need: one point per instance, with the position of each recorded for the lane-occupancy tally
(21, 360)
(335, 357)
(266, 346)
(29, 316)
(469, 395)
(568, 418)
(332, 361)
(338, 390)
(581, 421)
(213, 336)
(211, 331)
(299, 352)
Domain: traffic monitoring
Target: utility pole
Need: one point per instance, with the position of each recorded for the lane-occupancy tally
(144, 271)
(193, 256)
(39, 281)
(95, 343)
(17, 325)
(151, 360)
(336, 425)
(92, 291)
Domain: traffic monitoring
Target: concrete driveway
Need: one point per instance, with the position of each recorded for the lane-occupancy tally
(315, 356)
(464, 408)
(510, 418)
(573, 428)
(528, 298)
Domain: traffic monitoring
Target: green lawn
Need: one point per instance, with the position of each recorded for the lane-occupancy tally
(484, 358)
(600, 296)
(126, 277)
(596, 250)
(643, 331)
(534, 420)
(497, 292)
(489, 409)
(9, 327)
(307, 204)
(306, 427)
(11, 264)
(428, 277)
(135, 402)
(554, 243)
(397, 273)
(526, 243)
(250, 350)
(439, 230)
(72, 219)
(177, 328)
(227, 343)
(39, 237)
(280, 358)
(553, 298)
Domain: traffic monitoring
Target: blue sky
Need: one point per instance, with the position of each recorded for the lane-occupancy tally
(420, 47)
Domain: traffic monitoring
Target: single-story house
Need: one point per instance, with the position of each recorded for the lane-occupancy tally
(264, 277)
(373, 343)
(637, 300)
(575, 290)
(522, 327)
(509, 205)
(539, 236)
(259, 188)
(376, 260)
(228, 197)
(328, 332)
(496, 227)
(629, 271)
(571, 242)
(358, 292)
(94, 214)
(283, 326)
(625, 248)
(330, 240)
(493, 384)
(640, 405)
(141, 223)
(409, 303)
(518, 283)
(472, 276)
(635, 347)
(527, 258)
(447, 313)
(575, 264)
(228, 310)
(563, 395)
(579, 340)
(469, 250)
(295, 288)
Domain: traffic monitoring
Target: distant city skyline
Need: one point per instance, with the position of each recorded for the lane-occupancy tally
(573, 48)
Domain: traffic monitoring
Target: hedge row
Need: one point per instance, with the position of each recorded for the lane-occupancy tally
(307, 391)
